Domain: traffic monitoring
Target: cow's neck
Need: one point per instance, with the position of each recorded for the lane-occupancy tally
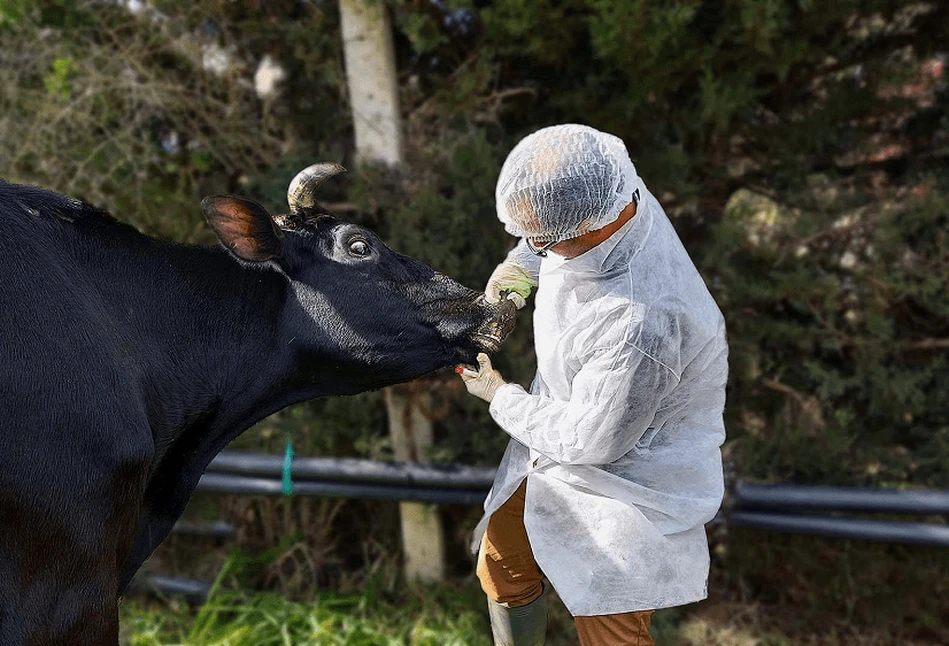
(216, 360)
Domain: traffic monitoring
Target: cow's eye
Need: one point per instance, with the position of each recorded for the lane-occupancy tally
(359, 248)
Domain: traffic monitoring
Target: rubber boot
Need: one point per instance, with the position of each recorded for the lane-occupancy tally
(521, 626)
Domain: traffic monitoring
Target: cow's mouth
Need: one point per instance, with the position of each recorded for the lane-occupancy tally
(487, 343)
(492, 333)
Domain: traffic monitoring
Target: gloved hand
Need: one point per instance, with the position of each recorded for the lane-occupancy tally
(483, 383)
(508, 277)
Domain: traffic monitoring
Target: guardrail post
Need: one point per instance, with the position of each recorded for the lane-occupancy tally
(423, 544)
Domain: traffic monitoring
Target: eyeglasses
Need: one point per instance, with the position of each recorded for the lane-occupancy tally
(540, 251)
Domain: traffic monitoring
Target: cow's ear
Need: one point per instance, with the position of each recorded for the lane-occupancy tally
(244, 226)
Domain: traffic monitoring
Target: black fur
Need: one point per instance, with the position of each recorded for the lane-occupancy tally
(127, 363)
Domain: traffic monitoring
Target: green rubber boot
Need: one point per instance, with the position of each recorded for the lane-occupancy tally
(521, 626)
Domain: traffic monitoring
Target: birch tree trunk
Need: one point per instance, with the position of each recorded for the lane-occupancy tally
(374, 97)
(371, 77)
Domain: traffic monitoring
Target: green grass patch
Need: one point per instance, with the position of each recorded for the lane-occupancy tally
(442, 615)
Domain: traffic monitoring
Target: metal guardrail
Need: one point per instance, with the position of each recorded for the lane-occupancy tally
(192, 590)
(449, 476)
(838, 527)
(769, 507)
(250, 486)
(217, 529)
(243, 472)
(778, 508)
(861, 499)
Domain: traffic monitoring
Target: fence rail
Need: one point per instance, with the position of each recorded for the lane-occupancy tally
(251, 486)
(768, 507)
(860, 528)
(861, 499)
(355, 470)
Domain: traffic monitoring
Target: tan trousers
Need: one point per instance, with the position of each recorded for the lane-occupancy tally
(509, 575)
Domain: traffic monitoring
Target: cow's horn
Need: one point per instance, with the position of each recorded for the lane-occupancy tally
(302, 191)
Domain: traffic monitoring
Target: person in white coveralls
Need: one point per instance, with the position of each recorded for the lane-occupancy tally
(614, 465)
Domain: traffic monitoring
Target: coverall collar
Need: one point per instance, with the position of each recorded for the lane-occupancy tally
(615, 251)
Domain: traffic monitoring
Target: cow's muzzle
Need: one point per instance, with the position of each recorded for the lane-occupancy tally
(491, 334)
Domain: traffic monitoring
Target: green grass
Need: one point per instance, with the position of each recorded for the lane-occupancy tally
(443, 617)
(783, 591)
(451, 614)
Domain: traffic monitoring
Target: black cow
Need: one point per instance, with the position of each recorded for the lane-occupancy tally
(127, 363)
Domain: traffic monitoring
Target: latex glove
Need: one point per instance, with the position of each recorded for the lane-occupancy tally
(508, 277)
(485, 382)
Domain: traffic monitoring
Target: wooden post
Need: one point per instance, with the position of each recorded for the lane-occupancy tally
(374, 97)
(412, 433)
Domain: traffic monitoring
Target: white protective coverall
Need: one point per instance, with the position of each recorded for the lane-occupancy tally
(623, 421)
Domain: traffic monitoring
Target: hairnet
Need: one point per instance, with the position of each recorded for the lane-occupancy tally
(563, 181)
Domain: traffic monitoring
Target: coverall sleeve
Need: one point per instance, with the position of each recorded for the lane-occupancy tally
(614, 399)
(524, 258)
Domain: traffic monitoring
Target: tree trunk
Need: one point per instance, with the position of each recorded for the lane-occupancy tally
(374, 97)
(371, 77)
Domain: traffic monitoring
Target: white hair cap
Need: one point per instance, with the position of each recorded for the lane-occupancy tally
(563, 181)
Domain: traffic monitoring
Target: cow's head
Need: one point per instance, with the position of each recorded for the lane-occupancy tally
(355, 307)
